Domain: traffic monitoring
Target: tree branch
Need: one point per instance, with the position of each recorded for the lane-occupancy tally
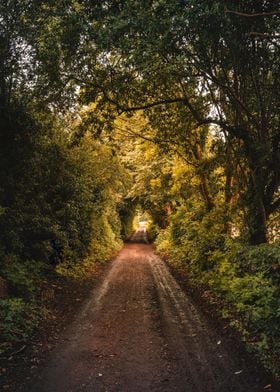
(156, 141)
(262, 35)
(246, 15)
(148, 105)
(234, 131)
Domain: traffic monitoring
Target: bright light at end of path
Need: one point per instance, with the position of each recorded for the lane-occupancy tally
(142, 225)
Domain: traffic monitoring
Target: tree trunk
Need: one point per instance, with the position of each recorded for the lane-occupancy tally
(255, 212)
(255, 215)
(203, 187)
(204, 190)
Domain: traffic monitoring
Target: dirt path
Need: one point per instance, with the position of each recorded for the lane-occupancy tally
(139, 332)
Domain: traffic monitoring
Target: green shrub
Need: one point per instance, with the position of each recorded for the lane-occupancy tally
(153, 231)
(18, 319)
(263, 258)
(164, 242)
(22, 276)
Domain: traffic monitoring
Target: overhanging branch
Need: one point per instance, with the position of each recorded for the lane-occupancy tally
(252, 15)
(234, 131)
(262, 35)
(148, 105)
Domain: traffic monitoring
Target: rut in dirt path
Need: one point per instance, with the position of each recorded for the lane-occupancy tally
(139, 332)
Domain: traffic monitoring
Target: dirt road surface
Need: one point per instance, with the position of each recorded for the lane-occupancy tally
(139, 332)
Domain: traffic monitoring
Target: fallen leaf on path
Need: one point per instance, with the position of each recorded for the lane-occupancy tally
(268, 386)
(219, 342)
(238, 372)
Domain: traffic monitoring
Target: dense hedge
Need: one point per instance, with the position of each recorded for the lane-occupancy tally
(59, 205)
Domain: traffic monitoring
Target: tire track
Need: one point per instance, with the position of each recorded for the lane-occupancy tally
(210, 366)
(139, 332)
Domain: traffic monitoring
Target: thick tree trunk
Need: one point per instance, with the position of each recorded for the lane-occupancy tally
(203, 187)
(204, 190)
(255, 212)
(257, 228)
(255, 215)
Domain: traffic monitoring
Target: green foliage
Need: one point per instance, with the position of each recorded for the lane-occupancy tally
(164, 243)
(59, 206)
(105, 239)
(18, 319)
(223, 60)
(127, 212)
(250, 286)
(153, 231)
(54, 190)
(23, 277)
(264, 258)
(246, 278)
(193, 236)
(62, 193)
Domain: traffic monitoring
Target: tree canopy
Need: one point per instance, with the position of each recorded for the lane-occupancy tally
(170, 106)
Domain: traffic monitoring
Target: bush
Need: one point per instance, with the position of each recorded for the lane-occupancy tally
(18, 319)
(22, 276)
(153, 231)
(164, 242)
(263, 258)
